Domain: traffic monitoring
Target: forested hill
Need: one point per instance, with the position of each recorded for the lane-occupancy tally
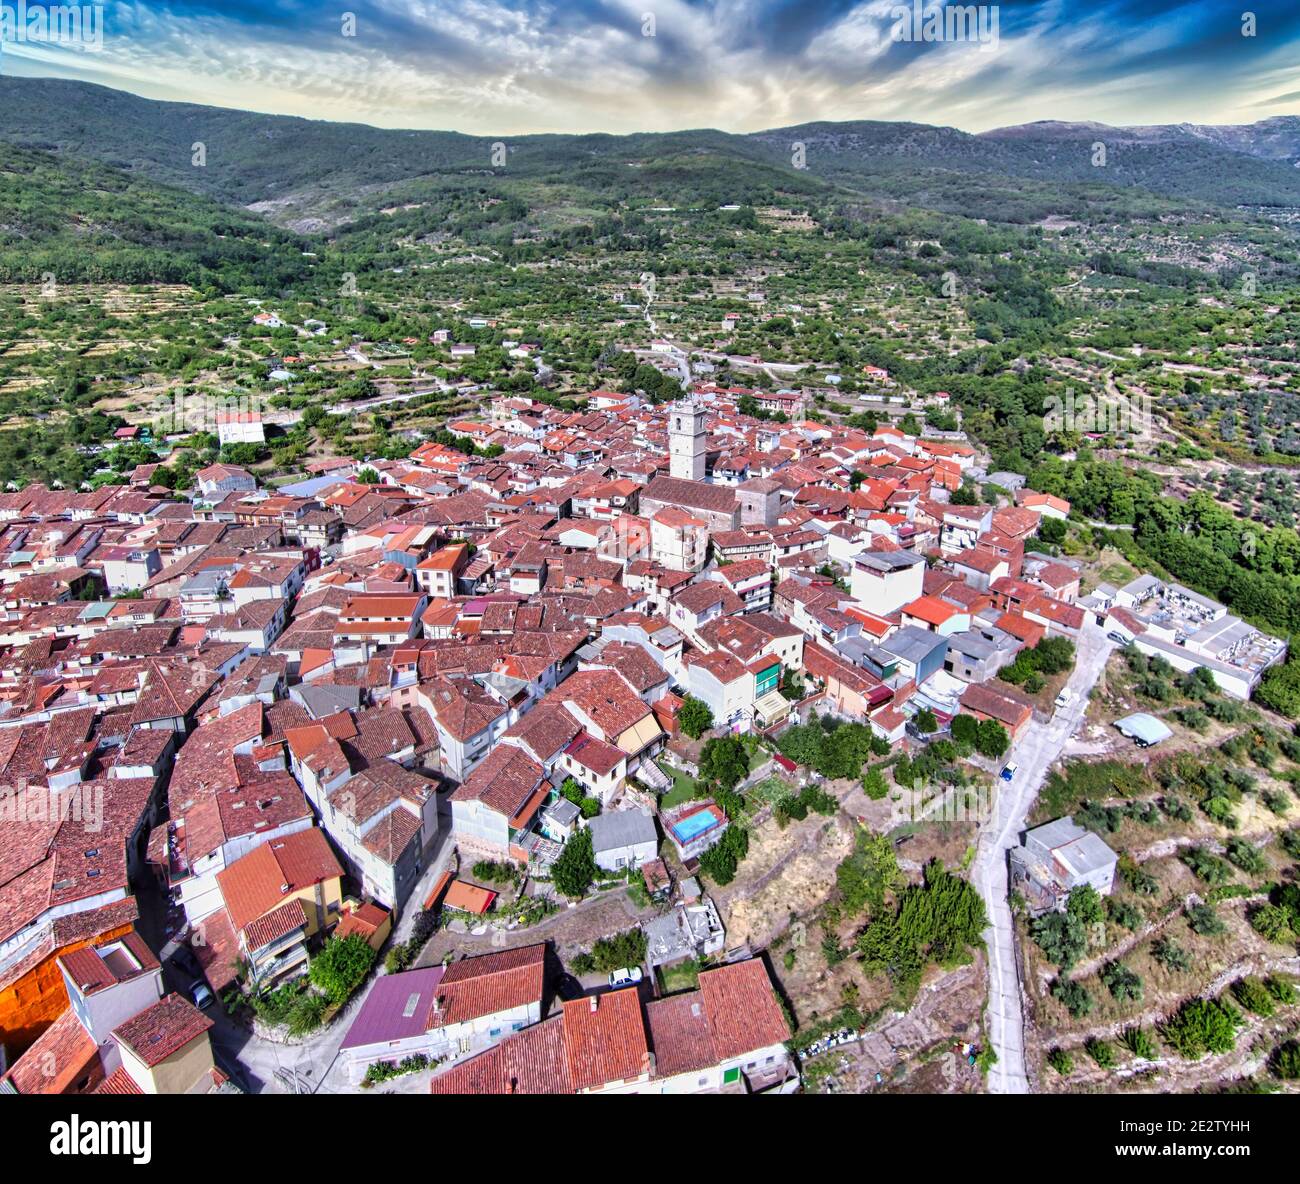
(81, 221)
(295, 169)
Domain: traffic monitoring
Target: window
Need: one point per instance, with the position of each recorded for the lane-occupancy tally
(494, 1032)
(731, 1075)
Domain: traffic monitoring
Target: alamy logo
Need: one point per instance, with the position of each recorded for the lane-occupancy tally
(78, 1136)
(945, 22)
(1084, 413)
(78, 25)
(926, 801)
(37, 804)
(180, 413)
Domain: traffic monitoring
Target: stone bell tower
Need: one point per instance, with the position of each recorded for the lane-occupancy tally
(686, 441)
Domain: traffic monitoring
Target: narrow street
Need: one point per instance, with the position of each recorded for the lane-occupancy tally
(1035, 753)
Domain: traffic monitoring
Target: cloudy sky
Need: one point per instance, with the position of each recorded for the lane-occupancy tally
(515, 66)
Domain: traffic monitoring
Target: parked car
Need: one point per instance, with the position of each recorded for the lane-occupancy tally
(625, 977)
(186, 960)
(1118, 638)
(201, 994)
(1065, 698)
(1010, 770)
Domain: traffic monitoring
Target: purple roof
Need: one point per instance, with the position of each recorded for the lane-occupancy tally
(396, 1008)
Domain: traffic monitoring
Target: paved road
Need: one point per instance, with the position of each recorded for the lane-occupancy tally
(1035, 753)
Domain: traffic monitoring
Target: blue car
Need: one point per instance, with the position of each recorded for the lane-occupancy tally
(1010, 771)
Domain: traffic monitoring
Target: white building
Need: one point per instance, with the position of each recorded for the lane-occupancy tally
(687, 443)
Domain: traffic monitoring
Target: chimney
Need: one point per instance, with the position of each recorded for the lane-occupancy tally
(594, 1004)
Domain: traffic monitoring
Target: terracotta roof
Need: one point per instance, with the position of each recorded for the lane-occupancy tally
(166, 1027)
(605, 1039)
(469, 898)
(490, 983)
(278, 923)
(257, 883)
(744, 1013)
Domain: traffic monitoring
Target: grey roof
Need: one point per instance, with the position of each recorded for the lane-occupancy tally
(563, 812)
(326, 699)
(680, 933)
(1075, 847)
(622, 828)
(1140, 586)
(972, 645)
(1142, 726)
(886, 561)
(912, 643)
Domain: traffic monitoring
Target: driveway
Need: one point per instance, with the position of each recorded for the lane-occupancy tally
(1034, 752)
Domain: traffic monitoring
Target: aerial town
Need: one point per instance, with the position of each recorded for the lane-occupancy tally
(745, 547)
(471, 776)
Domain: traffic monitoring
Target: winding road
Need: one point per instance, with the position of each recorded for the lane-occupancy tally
(1034, 753)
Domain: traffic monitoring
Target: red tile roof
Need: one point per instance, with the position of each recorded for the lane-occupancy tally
(165, 1028)
(605, 1039)
(744, 1013)
(259, 881)
(475, 987)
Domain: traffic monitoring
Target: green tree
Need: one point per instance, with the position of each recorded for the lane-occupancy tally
(723, 762)
(341, 966)
(575, 870)
(1285, 1061)
(695, 717)
(965, 730)
(991, 739)
(873, 784)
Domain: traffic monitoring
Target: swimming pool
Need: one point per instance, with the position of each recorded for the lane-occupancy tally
(693, 825)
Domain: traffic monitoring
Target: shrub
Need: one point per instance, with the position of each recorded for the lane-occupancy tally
(1206, 866)
(1074, 997)
(1254, 996)
(1171, 955)
(1278, 803)
(1101, 1052)
(1246, 856)
(307, 1014)
(1125, 915)
(1140, 1043)
(1202, 1026)
(1282, 989)
(1204, 921)
(1271, 922)
(1121, 982)
(789, 808)
(1137, 880)
(873, 784)
(1061, 1061)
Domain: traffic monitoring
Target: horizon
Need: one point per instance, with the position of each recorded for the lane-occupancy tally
(525, 67)
(700, 128)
